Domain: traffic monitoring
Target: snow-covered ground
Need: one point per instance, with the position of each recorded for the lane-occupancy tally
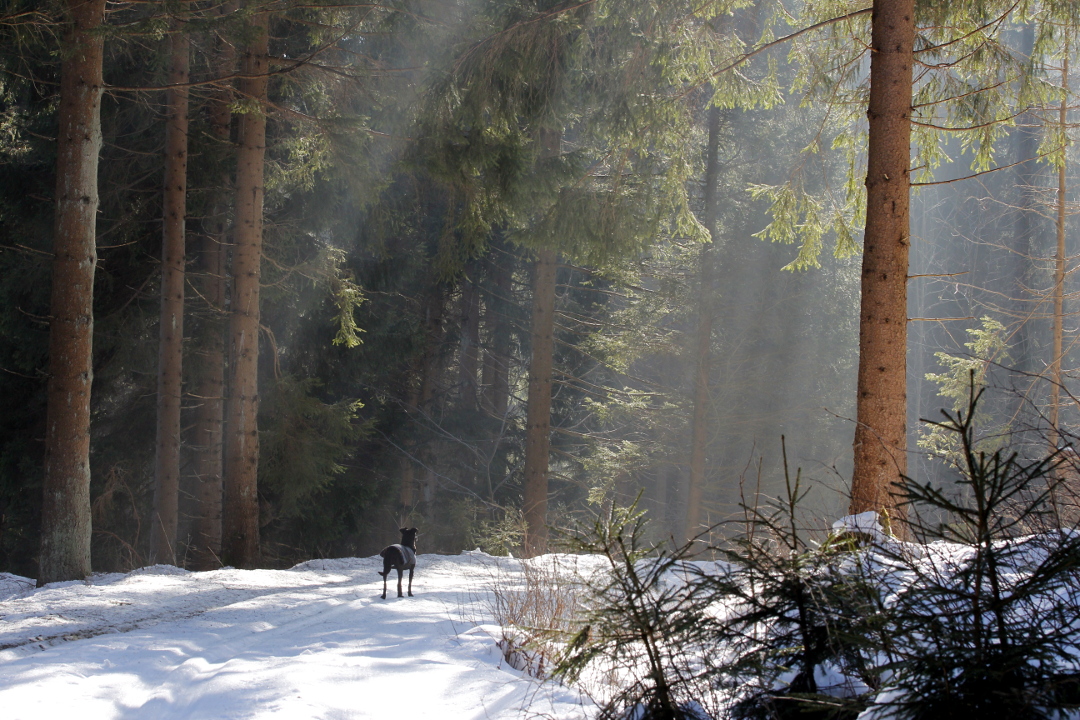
(312, 642)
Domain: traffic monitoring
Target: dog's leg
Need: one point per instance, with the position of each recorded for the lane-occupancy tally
(399, 583)
(385, 572)
(410, 582)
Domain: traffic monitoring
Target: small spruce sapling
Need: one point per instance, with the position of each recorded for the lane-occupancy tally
(987, 629)
(643, 625)
(798, 622)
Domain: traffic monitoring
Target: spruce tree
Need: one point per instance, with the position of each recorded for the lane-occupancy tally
(706, 318)
(881, 408)
(240, 524)
(173, 262)
(65, 514)
(209, 367)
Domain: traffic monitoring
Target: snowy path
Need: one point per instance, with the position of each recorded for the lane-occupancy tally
(315, 641)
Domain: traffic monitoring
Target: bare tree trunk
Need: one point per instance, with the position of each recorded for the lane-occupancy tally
(538, 412)
(495, 397)
(171, 342)
(538, 415)
(496, 371)
(1059, 264)
(419, 401)
(706, 317)
(209, 384)
(65, 510)
(1028, 226)
(880, 440)
(240, 524)
(470, 343)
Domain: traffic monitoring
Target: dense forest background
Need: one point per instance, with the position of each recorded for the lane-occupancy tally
(427, 165)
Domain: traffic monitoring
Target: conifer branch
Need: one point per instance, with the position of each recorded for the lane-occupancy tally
(987, 172)
(996, 21)
(779, 41)
(987, 124)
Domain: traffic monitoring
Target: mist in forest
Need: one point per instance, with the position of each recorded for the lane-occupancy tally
(430, 176)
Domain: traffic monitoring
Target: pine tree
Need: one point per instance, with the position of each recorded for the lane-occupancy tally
(1059, 259)
(65, 515)
(538, 419)
(171, 348)
(240, 530)
(706, 318)
(881, 407)
(209, 370)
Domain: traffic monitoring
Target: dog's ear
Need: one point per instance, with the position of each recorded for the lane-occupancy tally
(403, 530)
(415, 531)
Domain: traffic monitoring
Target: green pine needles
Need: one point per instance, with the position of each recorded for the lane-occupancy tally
(976, 615)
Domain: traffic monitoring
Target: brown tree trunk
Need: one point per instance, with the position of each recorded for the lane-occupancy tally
(240, 524)
(538, 412)
(65, 510)
(419, 400)
(880, 433)
(706, 316)
(495, 396)
(496, 371)
(538, 415)
(1059, 265)
(209, 393)
(171, 338)
(470, 343)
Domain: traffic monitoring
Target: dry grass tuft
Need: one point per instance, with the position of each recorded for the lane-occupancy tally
(536, 604)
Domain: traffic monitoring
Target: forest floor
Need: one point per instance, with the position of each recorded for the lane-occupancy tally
(312, 642)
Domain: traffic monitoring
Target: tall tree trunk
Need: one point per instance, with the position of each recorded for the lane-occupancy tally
(418, 404)
(65, 510)
(706, 316)
(171, 342)
(538, 413)
(1028, 223)
(1059, 262)
(495, 398)
(470, 342)
(880, 442)
(240, 524)
(207, 435)
(496, 371)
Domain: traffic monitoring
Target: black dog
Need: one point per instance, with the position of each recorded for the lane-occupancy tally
(400, 557)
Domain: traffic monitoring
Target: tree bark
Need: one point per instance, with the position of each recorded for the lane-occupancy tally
(209, 392)
(538, 415)
(880, 441)
(65, 511)
(419, 399)
(1028, 227)
(470, 343)
(538, 412)
(240, 524)
(1059, 264)
(496, 371)
(171, 338)
(706, 317)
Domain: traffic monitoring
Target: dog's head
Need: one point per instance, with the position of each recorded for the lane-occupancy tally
(408, 537)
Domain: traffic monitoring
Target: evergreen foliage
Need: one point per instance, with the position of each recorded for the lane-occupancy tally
(981, 620)
(638, 624)
(406, 199)
(992, 629)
